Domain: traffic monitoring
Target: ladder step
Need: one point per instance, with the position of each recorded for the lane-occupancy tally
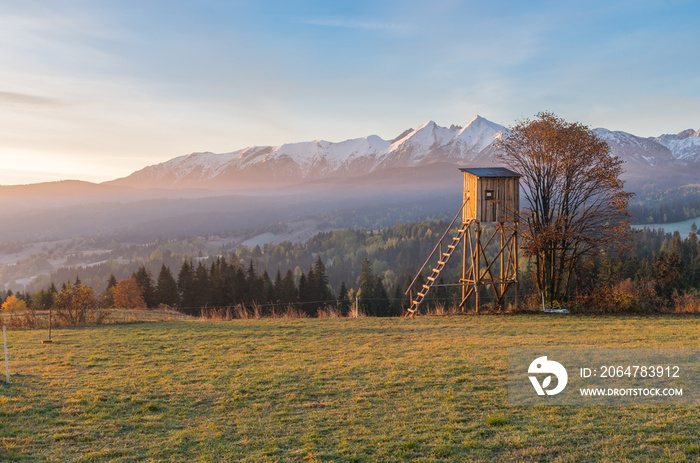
(426, 286)
(421, 294)
(447, 254)
(442, 262)
(451, 246)
(431, 279)
(436, 271)
(416, 302)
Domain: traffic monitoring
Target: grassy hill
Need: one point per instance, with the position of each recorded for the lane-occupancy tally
(368, 389)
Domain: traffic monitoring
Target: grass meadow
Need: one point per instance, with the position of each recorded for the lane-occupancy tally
(362, 390)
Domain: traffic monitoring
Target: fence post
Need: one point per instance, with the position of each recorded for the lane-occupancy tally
(7, 366)
(47, 341)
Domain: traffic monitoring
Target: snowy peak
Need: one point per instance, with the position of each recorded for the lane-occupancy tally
(485, 124)
(431, 141)
(684, 146)
(429, 144)
(635, 150)
(688, 133)
(427, 136)
(480, 133)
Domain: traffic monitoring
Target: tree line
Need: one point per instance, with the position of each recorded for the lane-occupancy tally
(223, 283)
(651, 273)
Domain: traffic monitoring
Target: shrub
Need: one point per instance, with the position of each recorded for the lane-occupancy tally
(627, 296)
(688, 302)
(13, 305)
(74, 303)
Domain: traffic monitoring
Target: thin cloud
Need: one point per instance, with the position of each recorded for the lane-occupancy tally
(348, 23)
(13, 98)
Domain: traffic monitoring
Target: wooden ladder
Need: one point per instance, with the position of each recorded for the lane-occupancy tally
(444, 257)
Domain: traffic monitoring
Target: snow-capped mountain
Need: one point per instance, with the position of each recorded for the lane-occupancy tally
(684, 145)
(320, 159)
(429, 144)
(636, 150)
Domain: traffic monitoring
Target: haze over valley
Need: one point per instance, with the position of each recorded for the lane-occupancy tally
(289, 192)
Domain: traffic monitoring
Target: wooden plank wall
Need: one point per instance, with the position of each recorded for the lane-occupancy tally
(505, 203)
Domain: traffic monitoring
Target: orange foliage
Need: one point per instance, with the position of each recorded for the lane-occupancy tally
(128, 295)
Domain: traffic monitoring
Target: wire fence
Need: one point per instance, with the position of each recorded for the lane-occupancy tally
(330, 308)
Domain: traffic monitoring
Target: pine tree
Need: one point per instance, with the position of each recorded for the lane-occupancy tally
(221, 277)
(323, 290)
(255, 285)
(670, 274)
(277, 287)
(201, 284)
(311, 287)
(288, 291)
(145, 282)
(268, 288)
(186, 285)
(397, 300)
(343, 299)
(166, 288)
(107, 297)
(380, 302)
(304, 294)
(240, 288)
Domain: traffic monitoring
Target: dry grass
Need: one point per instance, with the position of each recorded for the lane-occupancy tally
(337, 389)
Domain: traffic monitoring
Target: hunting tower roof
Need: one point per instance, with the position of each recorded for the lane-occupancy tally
(493, 172)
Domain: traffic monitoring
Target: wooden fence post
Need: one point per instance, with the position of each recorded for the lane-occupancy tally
(7, 365)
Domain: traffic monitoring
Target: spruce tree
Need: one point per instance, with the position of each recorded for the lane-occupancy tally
(277, 287)
(380, 299)
(166, 288)
(217, 282)
(323, 290)
(145, 282)
(240, 291)
(186, 285)
(343, 299)
(255, 285)
(267, 287)
(201, 284)
(288, 291)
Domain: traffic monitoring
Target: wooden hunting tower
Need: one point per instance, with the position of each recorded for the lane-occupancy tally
(491, 195)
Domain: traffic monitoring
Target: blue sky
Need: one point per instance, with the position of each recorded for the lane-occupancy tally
(94, 90)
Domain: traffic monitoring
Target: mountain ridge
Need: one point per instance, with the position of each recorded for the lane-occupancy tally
(294, 163)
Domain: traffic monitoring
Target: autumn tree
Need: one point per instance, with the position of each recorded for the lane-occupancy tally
(575, 202)
(74, 303)
(13, 304)
(128, 295)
